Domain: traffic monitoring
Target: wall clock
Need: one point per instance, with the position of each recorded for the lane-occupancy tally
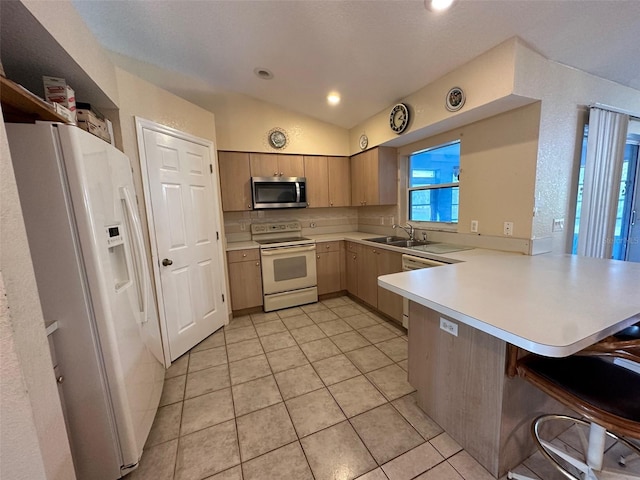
(364, 141)
(455, 99)
(277, 138)
(399, 118)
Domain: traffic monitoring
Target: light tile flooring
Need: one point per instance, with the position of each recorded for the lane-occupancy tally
(315, 392)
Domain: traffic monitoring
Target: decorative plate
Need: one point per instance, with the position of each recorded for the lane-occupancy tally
(364, 141)
(277, 138)
(399, 118)
(455, 99)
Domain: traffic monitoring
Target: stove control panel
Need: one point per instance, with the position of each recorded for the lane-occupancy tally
(285, 227)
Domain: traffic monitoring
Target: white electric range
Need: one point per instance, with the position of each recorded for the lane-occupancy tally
(288, 265)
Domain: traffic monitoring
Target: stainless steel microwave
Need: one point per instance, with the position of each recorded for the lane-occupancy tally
(279, 192)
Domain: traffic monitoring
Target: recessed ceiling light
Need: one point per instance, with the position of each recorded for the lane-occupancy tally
(333, 98)
(438, 5)
(263, 73)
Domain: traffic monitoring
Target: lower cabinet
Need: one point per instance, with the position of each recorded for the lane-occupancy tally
(340, 266)
(351, 266)
(329, 267)
(245, 278)
(364, 265)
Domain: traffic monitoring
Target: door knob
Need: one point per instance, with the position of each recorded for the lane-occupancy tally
(166, 262)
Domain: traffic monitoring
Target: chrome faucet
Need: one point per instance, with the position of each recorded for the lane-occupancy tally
(408, 228)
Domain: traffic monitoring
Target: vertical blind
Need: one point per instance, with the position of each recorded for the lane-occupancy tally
(603, 167)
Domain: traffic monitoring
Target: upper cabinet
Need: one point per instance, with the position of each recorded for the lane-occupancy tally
(374, 177)
(328, 182)
(235, 181)
(276, 165)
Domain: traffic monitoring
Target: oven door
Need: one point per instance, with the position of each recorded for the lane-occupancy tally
(288, 268)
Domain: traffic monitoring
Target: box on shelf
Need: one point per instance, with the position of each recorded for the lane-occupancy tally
(56, 90)
(95, 126)
(65, 112)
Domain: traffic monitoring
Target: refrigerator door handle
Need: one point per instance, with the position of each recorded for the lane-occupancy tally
(139, 253)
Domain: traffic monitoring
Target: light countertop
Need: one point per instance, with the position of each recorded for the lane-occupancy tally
(553, 305)
(359, 237)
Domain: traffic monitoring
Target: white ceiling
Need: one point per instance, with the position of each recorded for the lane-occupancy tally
(374, 52)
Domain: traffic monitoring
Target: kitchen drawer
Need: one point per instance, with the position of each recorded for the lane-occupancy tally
(235, 256)
(328, 246)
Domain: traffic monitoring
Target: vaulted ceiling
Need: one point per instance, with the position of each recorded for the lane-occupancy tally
(372, 52)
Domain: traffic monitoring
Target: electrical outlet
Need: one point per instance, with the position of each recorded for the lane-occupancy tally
(508, 229)
(558, 225)
(312, 225)
(448, 326)
(474, 226)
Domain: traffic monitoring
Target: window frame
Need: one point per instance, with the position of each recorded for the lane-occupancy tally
(428, 223)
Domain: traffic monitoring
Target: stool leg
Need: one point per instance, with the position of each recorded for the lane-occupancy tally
(595, 453)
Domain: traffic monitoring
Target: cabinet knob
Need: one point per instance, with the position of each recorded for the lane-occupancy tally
(60, 379)
(244, 254)
(331, 204)
(281, 173)
(327, 246)
(354, 257)
(166, 262)
(275, 174)
(308, 204)
(318, 257)
(257, 264)
(249, 206)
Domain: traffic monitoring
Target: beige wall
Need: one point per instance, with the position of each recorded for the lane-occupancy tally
(64, 23)
(33, 438)
(143, 99)
(566, 94)
(242, 123)
(498, 162)
(486, 80)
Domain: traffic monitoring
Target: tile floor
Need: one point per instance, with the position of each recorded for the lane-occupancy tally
(313, 392)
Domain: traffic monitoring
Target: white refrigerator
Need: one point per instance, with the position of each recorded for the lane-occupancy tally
(88, 252)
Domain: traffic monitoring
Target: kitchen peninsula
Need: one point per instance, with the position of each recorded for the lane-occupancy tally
(463, 316)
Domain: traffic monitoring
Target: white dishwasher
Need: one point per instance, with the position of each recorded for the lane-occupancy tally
(410, 262)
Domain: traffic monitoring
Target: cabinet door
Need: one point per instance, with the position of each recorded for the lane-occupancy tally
(264, 164)
(389, 302)
(328, 271)
(351, 262)
(364, 178)
(357, 163)
(235, 184)
(315, 170)
(387, 176)
(339, 173)
(290, 166)
(245, 283)
(367, 275)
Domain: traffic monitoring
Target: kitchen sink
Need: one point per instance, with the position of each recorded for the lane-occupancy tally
(409, 243)
(398, 241)
(386, 240)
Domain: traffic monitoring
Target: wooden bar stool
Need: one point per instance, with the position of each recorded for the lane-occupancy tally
(603, 391)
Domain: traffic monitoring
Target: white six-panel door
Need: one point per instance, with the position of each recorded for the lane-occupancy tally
(182, 197)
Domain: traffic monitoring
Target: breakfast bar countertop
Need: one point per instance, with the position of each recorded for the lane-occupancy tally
(553, 305)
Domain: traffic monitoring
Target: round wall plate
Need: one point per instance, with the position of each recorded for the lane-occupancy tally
(364, 141)
(277, 138)
(399, 118)
(455, 99)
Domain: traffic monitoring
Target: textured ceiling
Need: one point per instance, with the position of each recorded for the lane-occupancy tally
(373, 52)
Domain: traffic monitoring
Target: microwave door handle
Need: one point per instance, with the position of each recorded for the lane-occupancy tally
(297, 192)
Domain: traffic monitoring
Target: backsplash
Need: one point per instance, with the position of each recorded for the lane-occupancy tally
(315, 221)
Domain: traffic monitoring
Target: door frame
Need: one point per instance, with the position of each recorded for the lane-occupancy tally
(141, 125)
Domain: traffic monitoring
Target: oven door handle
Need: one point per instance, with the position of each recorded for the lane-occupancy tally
(287, 250)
